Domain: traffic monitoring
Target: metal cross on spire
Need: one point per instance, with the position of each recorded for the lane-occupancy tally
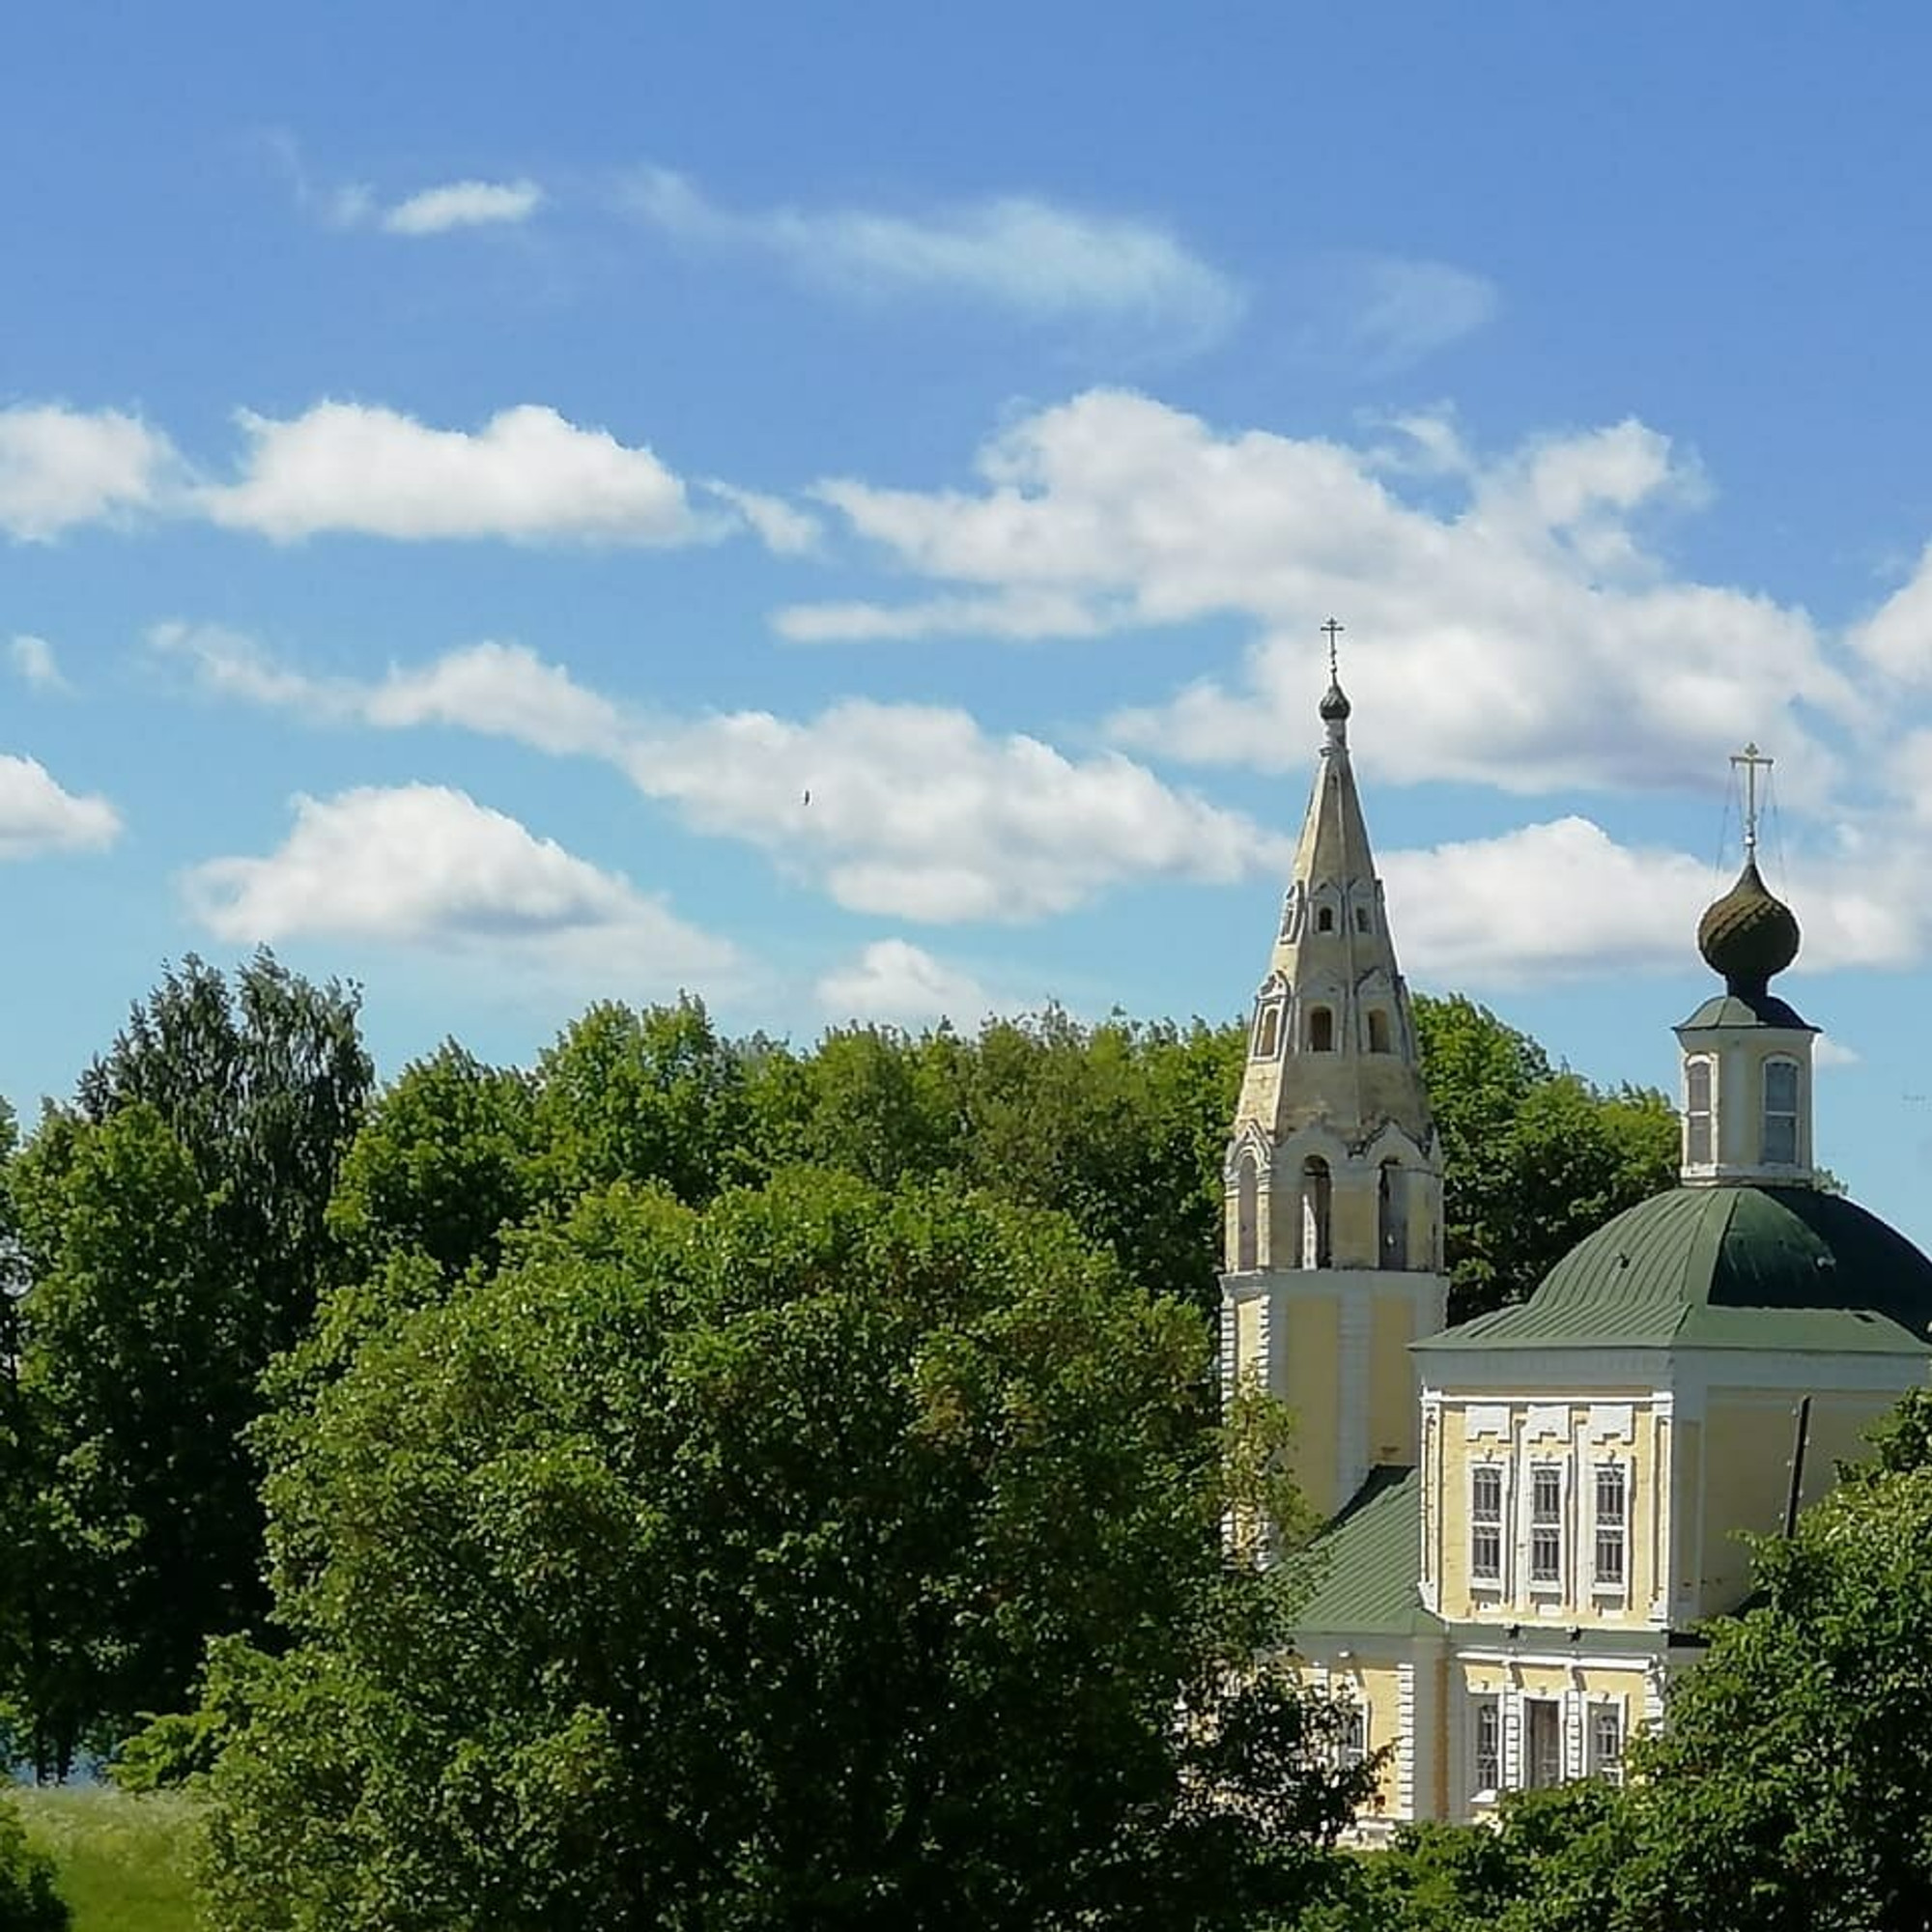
(1332, 630)
(1751, 759)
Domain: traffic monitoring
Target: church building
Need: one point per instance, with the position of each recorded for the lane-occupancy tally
(1527, 1515)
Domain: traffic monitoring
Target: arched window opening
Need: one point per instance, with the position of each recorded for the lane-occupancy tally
(1362, 918)
(1321, 1030)
(1379, 1031)
(1268, 1030)
(1325, 920)
(1697, 1113)
(1247, 1234)
(1316, 1247)
(1392, 1216)
(1781, 1113)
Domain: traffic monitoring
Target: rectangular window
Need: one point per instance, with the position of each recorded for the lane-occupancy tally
(1488, 1733)
(1485, 1523)
(1606, 1741)
(1781, 1113)
(1546, 1526)
(1612, 1526)
(1354, 1737)
(1542, 1734)
(1697, 1113)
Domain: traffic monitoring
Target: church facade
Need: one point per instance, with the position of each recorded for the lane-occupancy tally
(1528, 1515)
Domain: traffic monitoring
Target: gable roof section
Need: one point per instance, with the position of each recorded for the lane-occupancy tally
(1369, 1555)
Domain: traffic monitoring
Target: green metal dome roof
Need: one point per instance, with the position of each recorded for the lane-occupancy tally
(1727, 1268)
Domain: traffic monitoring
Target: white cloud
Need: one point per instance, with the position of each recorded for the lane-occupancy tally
(912, 811)
(426, 866)
(1028, 256)
(1897, 637)
(502, 690)
(892, 981)
(782, 528)
(35, 663)
(1564, 900)
(1526, 634)
(1828, 1052)
(527, 475)
(463, 203)
(38, 815)
(60, 467)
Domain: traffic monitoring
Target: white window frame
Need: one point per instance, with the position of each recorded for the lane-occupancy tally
(1539, 1585)
(1490, 1582)
(1270, 1029)
(1485, 1704)
(1707, 1065)
(1617, 1586)
(1604, 1714)
(1792, 1114)
(1532, 1707)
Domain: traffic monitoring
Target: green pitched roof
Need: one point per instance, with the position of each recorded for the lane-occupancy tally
(1787, 1268)
(1369, 1555)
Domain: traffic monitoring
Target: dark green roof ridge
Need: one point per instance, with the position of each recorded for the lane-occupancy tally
(1787, 1268)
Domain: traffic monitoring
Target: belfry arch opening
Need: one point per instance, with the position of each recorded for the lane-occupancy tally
(1392, 1216)
(1247, 1224)
(1317, 1213)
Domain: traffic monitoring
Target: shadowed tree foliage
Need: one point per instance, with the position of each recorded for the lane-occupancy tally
(1533, 1156)
(172, 1232)
(823, 1558)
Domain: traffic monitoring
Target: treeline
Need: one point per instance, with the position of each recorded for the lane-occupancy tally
(551, 1454)
(228, 1165)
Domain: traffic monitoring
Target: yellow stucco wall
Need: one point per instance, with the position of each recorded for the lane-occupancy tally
(1377, 1685)
(1309, 1381)
(1392, 1405)
(1572, 1431)
(1750, 1436)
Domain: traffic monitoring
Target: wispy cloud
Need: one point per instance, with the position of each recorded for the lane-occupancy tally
(35, 663)
(1030, 257)
(461, 204)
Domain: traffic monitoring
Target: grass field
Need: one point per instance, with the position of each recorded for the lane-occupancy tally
(121, 1859)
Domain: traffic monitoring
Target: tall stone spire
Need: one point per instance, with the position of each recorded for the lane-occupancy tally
(1334, 1188)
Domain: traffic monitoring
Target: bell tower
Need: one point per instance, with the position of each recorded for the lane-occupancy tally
(1334, 1182)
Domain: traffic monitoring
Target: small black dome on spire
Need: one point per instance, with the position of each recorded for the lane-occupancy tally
(1748, 934)
(1334, 704)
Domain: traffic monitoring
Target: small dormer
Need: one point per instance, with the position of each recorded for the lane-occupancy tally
(1747, 1088)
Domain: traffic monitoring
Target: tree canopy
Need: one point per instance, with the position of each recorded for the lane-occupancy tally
(822, 1558)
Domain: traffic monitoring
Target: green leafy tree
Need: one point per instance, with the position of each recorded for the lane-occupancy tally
(1791, 1785)
(1534, 1157)
(29, 1899)
(172, 1228)
(824, 1558)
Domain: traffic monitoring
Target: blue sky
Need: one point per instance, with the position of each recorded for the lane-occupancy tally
(466, 477)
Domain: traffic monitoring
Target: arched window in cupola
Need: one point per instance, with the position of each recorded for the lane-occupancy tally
(1321, 1029)
(1780, 1147)
(1697, 1142)
(1316, 1247)
(1325, 920)
(1379, 1031)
